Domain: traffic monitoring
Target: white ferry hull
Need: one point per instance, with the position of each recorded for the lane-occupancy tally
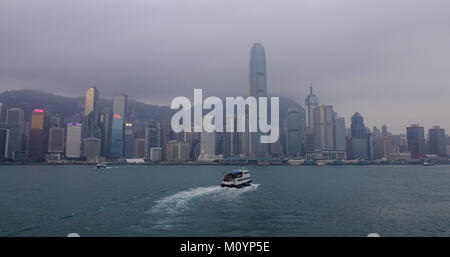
(248, 183)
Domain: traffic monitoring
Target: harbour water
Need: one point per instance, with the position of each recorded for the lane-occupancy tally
(188, 201)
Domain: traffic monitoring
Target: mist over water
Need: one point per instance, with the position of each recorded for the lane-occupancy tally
(188, 201)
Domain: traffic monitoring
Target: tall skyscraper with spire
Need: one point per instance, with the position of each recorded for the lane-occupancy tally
(311, 102)
(257, 88)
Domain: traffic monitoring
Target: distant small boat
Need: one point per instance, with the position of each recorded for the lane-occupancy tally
(237, 178)
(428, 164)
(102, 165)
(320, 164)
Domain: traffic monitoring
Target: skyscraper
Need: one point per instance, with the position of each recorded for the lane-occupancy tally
(73, 140)
(37, 143)
(339, 134)
(4, 142)
(358, 129)
(56, 140)
(91, 118)
(105, 124)
(416, 141)
(382, 147)
(119, 119)
(323, 117)
(376, 132)
(14, 115)
(128, 140)
(177, 151)
(16, 125)
(257, 88)
(438, 141)
(207, 145)
(120, 102)
(384, 131)
(152, 135)
(92, 148)
(293, 140)
(139, 148)
(311, 102)
(361, 141)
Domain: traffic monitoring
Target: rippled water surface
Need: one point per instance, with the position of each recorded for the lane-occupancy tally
(187, 201)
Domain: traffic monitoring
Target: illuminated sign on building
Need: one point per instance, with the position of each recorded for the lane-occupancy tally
(116, 116)
(73, 124)
(38, 110)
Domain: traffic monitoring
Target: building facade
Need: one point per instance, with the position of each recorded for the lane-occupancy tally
(73, 140)
(416, 141)
(257, 88)
(311, 103)
(438, 141)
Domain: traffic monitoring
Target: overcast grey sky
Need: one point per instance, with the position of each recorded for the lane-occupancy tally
(387, 59)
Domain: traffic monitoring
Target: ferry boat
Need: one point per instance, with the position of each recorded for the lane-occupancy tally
(237, 178)
(102, 165)
(428, 164)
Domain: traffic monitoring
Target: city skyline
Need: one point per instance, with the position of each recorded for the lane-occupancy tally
(119, 135)
(392, 70)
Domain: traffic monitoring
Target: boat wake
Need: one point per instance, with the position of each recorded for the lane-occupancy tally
(165, 213)
(180, 201)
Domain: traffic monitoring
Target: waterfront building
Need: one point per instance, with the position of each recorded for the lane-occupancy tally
(4, 142)
(207, 145)
(105, 125)
(340, 134)
(309, 141)
(152, 135)
(358, 129)
(91, 147)
(177, 151)
(37, 141)
(73, 140)
(16, 124)
(139, 148)
(331, 155)
(128, 140)
(382, 147)
(155, 154)
(361, 141)
(416, 141)
(400, 157)
(323, 120)
(438, 141)
(56, 140)
(16, 139)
